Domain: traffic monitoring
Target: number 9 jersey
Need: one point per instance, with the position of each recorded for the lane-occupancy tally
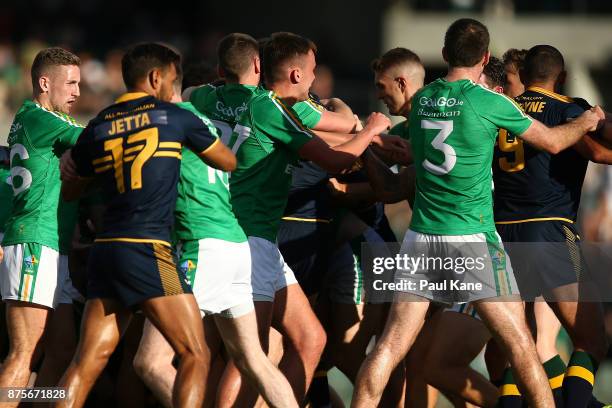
(133, 148)
(453, 128)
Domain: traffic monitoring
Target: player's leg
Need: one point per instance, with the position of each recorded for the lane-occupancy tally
(153, 363)
(506, 322)
(29, 282)
(419, 394)
(26, 324)
(130, 389)
(240, 337)
(60, 337)
(547, 329)
(447, 362)
(232, 390)
(177, 317)
(304, 337)
(103, 323)
(404, 322)
(59, 345)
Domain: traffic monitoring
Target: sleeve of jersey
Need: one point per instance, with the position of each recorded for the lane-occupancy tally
(280, 123)
(308, 113)
(83, 156)
(199, 136)
(504, 113)
(401, 130)
(573, 111)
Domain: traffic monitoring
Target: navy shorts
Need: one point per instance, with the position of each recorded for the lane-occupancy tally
(549, 258)
(133, 272)
(306, 247)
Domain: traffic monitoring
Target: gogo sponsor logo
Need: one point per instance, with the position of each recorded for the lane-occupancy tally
(441, 101)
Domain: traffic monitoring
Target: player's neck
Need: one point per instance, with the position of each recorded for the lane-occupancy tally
(286, 93)
(249, 80)
(43, 100)
(459, 73)
(548, 86)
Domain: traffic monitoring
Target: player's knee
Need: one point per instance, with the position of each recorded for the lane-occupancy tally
(432, 370)
(312, 341)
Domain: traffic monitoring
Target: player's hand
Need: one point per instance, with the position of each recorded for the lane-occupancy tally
(593, 118)
(395, 149)
(358, 124)
(68, 168)
(337, 105)
(377, 123)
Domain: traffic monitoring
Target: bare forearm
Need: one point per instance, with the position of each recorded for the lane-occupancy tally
(384, 182)
(333, 138)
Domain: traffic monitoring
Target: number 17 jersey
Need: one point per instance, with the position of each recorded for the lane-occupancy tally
(134, 149)
(453, 127)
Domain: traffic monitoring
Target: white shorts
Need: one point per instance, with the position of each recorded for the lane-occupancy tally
(489, 274)
(219, 272)
(269, 271)
(35, 273)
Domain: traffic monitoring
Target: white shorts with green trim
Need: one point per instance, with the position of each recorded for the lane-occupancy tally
(269, 271)
(456, 268)
(219, 272)
(34, 273)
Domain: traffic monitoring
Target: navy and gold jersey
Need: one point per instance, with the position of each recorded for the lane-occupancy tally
(533, 184)
(133, 148)
(309, 197)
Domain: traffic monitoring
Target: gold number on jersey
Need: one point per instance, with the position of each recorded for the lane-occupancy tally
(515, 146)
(115, 147)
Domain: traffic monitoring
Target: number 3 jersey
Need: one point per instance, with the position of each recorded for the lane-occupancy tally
(453, 127)
(530, 183)
(37, 139)
(133, 148)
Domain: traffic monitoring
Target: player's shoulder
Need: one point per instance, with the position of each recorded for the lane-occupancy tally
(33, 114)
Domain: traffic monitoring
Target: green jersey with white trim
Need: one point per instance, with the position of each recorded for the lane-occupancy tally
(37, 139)
(223, 104)
(266, 141)
(401, 130)
(203, 208)
(453, 128)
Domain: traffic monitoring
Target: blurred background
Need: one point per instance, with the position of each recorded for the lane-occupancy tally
(348, 33)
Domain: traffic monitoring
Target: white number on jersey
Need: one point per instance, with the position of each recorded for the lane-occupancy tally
(225, 131)
(18, 171)
(450, 156)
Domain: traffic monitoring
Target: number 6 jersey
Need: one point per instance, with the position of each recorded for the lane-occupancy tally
(37, 139)
(133, 148)
(453, 127)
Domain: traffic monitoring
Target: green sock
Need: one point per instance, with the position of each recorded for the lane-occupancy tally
(555, 371)
(579, 380)
(510, 395)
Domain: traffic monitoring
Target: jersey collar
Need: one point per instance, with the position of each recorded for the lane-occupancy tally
(130, 96)
(546, 92)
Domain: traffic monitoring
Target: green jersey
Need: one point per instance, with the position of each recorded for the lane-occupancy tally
(6, 196)
(37, 139)
(203, 207)
(401, 130)
(223, 105)
(266, 141)
(453, 128)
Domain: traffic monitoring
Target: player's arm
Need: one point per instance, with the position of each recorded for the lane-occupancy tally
(337, 158)
(352, 195)
(219, 156)
(201, 138)
(338, 118)
(594, 149)
(389, 187)
(558, 138)
(73, 184)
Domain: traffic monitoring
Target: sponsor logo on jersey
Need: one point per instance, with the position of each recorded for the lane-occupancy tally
(29, 263)
(439, 102)
(186, 267)
(229, 112)
(15, 127)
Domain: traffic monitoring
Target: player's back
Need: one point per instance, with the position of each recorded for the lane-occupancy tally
(531, 183)
(223, 104)
(453, 126)
(134, 149)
